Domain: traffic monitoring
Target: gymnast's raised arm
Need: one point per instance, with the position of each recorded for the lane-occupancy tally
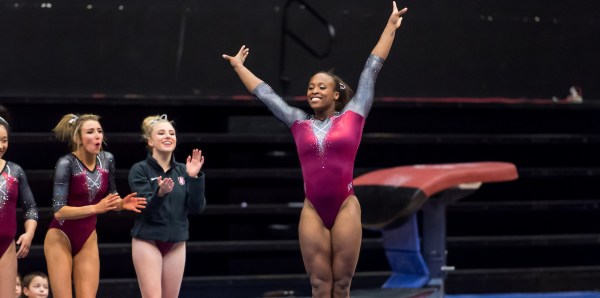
(363, 100)
(284, 112)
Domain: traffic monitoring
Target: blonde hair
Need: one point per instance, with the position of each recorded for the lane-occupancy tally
(148, 125)
(69, 128)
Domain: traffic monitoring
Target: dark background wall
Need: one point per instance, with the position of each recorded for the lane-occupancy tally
(471, 48)
(533, 234)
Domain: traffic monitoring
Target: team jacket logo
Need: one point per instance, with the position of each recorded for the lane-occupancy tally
(181, 180)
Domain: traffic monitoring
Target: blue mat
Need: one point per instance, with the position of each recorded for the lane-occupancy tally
(531, 295)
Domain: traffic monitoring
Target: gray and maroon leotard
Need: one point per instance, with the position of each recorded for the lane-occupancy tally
(13, 185)
(327, 148)
(77, 186)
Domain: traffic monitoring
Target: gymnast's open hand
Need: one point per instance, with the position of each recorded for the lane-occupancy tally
(194, 163)
(133, 203)
(239, 58)
(396, 17)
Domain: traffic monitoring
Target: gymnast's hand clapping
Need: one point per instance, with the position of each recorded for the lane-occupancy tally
(165, 186)
(110, 202)
(133, 203)
(194, 163)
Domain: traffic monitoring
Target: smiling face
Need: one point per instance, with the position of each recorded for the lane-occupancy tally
(163, 138)
(3, 140)
(321, 93)
(38, 288)
(91, 136)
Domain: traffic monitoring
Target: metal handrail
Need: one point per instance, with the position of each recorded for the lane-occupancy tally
(285, 32)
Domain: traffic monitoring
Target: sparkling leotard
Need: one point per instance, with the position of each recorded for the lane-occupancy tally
(77, 186)
(327, 148)
(13, 186)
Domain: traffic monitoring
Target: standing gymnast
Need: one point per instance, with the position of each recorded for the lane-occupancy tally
(84, 186)
(330, 229)
(13, 187)
(172, 190)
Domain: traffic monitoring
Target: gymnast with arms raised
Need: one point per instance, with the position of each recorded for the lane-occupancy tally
(330, 229)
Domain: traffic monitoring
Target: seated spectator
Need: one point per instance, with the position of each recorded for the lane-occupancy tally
(35, 284)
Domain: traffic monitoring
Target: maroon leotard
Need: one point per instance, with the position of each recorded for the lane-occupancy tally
(77, 186)
(164, 247)
(13, 186)
(327, 148)
(327, 168)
